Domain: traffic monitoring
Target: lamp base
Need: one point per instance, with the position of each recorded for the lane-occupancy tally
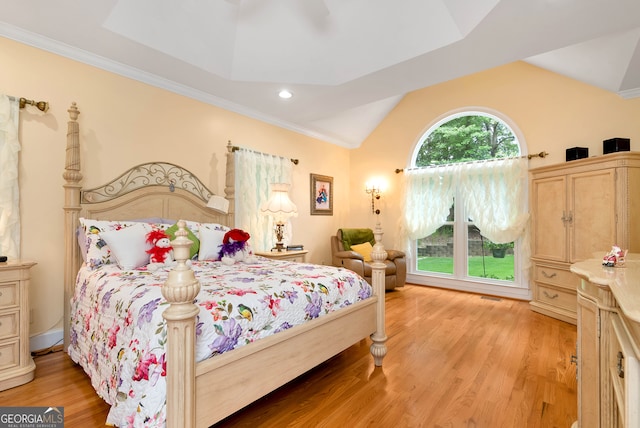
(279, 229)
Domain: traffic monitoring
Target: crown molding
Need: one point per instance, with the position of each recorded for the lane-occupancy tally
(630, 93)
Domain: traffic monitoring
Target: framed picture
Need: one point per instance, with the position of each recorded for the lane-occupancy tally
(321, 195)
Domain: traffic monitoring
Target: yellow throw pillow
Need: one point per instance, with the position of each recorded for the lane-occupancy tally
(364, 250)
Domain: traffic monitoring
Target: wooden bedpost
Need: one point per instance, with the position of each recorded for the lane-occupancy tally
(379, 337)
(72, 176)
(180, 290)
(230, 188)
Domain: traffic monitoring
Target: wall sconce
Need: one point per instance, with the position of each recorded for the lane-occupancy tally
(374, 190)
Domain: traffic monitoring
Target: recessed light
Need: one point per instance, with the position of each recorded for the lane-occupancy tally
(285, 94)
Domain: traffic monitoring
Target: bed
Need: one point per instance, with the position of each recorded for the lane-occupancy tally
(202, 373)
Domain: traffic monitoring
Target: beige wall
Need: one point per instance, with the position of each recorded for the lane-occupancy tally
(552, 112)
(123, 123)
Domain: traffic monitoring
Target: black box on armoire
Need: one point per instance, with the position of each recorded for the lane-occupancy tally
(577, 153)
(616, 145)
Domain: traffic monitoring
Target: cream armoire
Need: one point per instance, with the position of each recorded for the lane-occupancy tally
(579, 208)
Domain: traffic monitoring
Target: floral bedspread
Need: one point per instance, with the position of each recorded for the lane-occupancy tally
(118, 333)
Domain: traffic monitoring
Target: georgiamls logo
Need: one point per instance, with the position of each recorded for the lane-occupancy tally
(53, 409)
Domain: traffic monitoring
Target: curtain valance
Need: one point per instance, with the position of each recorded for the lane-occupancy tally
(493, 193)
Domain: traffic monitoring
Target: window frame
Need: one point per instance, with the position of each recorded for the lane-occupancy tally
(460, 279)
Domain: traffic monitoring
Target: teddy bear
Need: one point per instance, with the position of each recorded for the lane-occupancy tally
(235, 248)
(161, 252)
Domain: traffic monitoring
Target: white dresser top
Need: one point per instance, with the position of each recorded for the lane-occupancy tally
(623, 281)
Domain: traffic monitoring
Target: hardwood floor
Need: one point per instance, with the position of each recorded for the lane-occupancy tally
(454, 360)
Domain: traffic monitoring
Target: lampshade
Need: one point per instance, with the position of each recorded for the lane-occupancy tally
(279, 206)
(218, 203)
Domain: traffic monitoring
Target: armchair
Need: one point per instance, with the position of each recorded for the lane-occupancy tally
(344, 255)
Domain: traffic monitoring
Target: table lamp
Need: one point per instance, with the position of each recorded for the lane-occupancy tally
(280, 208)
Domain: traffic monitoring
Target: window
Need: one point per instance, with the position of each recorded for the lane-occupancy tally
(458, 251)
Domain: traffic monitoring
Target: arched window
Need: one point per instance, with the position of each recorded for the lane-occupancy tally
(462, 153)
(465, 137)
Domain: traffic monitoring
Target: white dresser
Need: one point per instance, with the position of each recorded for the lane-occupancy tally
(608, 348)
(16, 364)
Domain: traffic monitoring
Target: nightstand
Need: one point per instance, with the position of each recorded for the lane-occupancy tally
(294, 256)
(16, 365)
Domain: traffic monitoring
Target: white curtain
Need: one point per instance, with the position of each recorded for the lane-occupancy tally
(428, 196)
(493, 193)
(255, 173)
(9, 191)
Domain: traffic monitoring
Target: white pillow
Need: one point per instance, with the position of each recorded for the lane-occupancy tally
(210, 243)
(97, 251)
(129, 245)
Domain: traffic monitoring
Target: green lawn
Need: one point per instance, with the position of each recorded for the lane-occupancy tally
(493, 267)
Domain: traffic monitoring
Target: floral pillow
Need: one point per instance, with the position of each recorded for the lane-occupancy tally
(195, 226)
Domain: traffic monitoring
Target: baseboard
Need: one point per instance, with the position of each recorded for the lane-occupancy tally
(46, 340)
(508, 292)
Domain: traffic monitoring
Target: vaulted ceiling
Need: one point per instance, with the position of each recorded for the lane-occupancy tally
(347, 62)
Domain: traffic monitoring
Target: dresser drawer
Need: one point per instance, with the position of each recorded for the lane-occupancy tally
(9, 355)
(16, 364)
(9, 294)
(624, 373)
(9, 323)
(556, 276)
(558, 297)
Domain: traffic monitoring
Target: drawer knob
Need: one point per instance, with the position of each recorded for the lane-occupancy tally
(550, 296)
(620, 365)
(546, 275)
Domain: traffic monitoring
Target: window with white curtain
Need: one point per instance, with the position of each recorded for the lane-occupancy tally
(255, 174)
(465, 223)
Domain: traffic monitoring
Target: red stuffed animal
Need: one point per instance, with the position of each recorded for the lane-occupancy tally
(235, 247)
(161, 252)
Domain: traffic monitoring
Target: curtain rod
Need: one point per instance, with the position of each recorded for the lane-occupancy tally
(233, 148)
(40, 105)
(534, 155)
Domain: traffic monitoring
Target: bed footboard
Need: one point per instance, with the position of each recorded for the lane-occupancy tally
(181, 289)
(379, 337)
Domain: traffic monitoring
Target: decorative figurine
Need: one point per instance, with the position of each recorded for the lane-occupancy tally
(615, 257)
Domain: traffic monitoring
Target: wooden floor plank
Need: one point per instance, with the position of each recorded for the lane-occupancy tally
(455, 360)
